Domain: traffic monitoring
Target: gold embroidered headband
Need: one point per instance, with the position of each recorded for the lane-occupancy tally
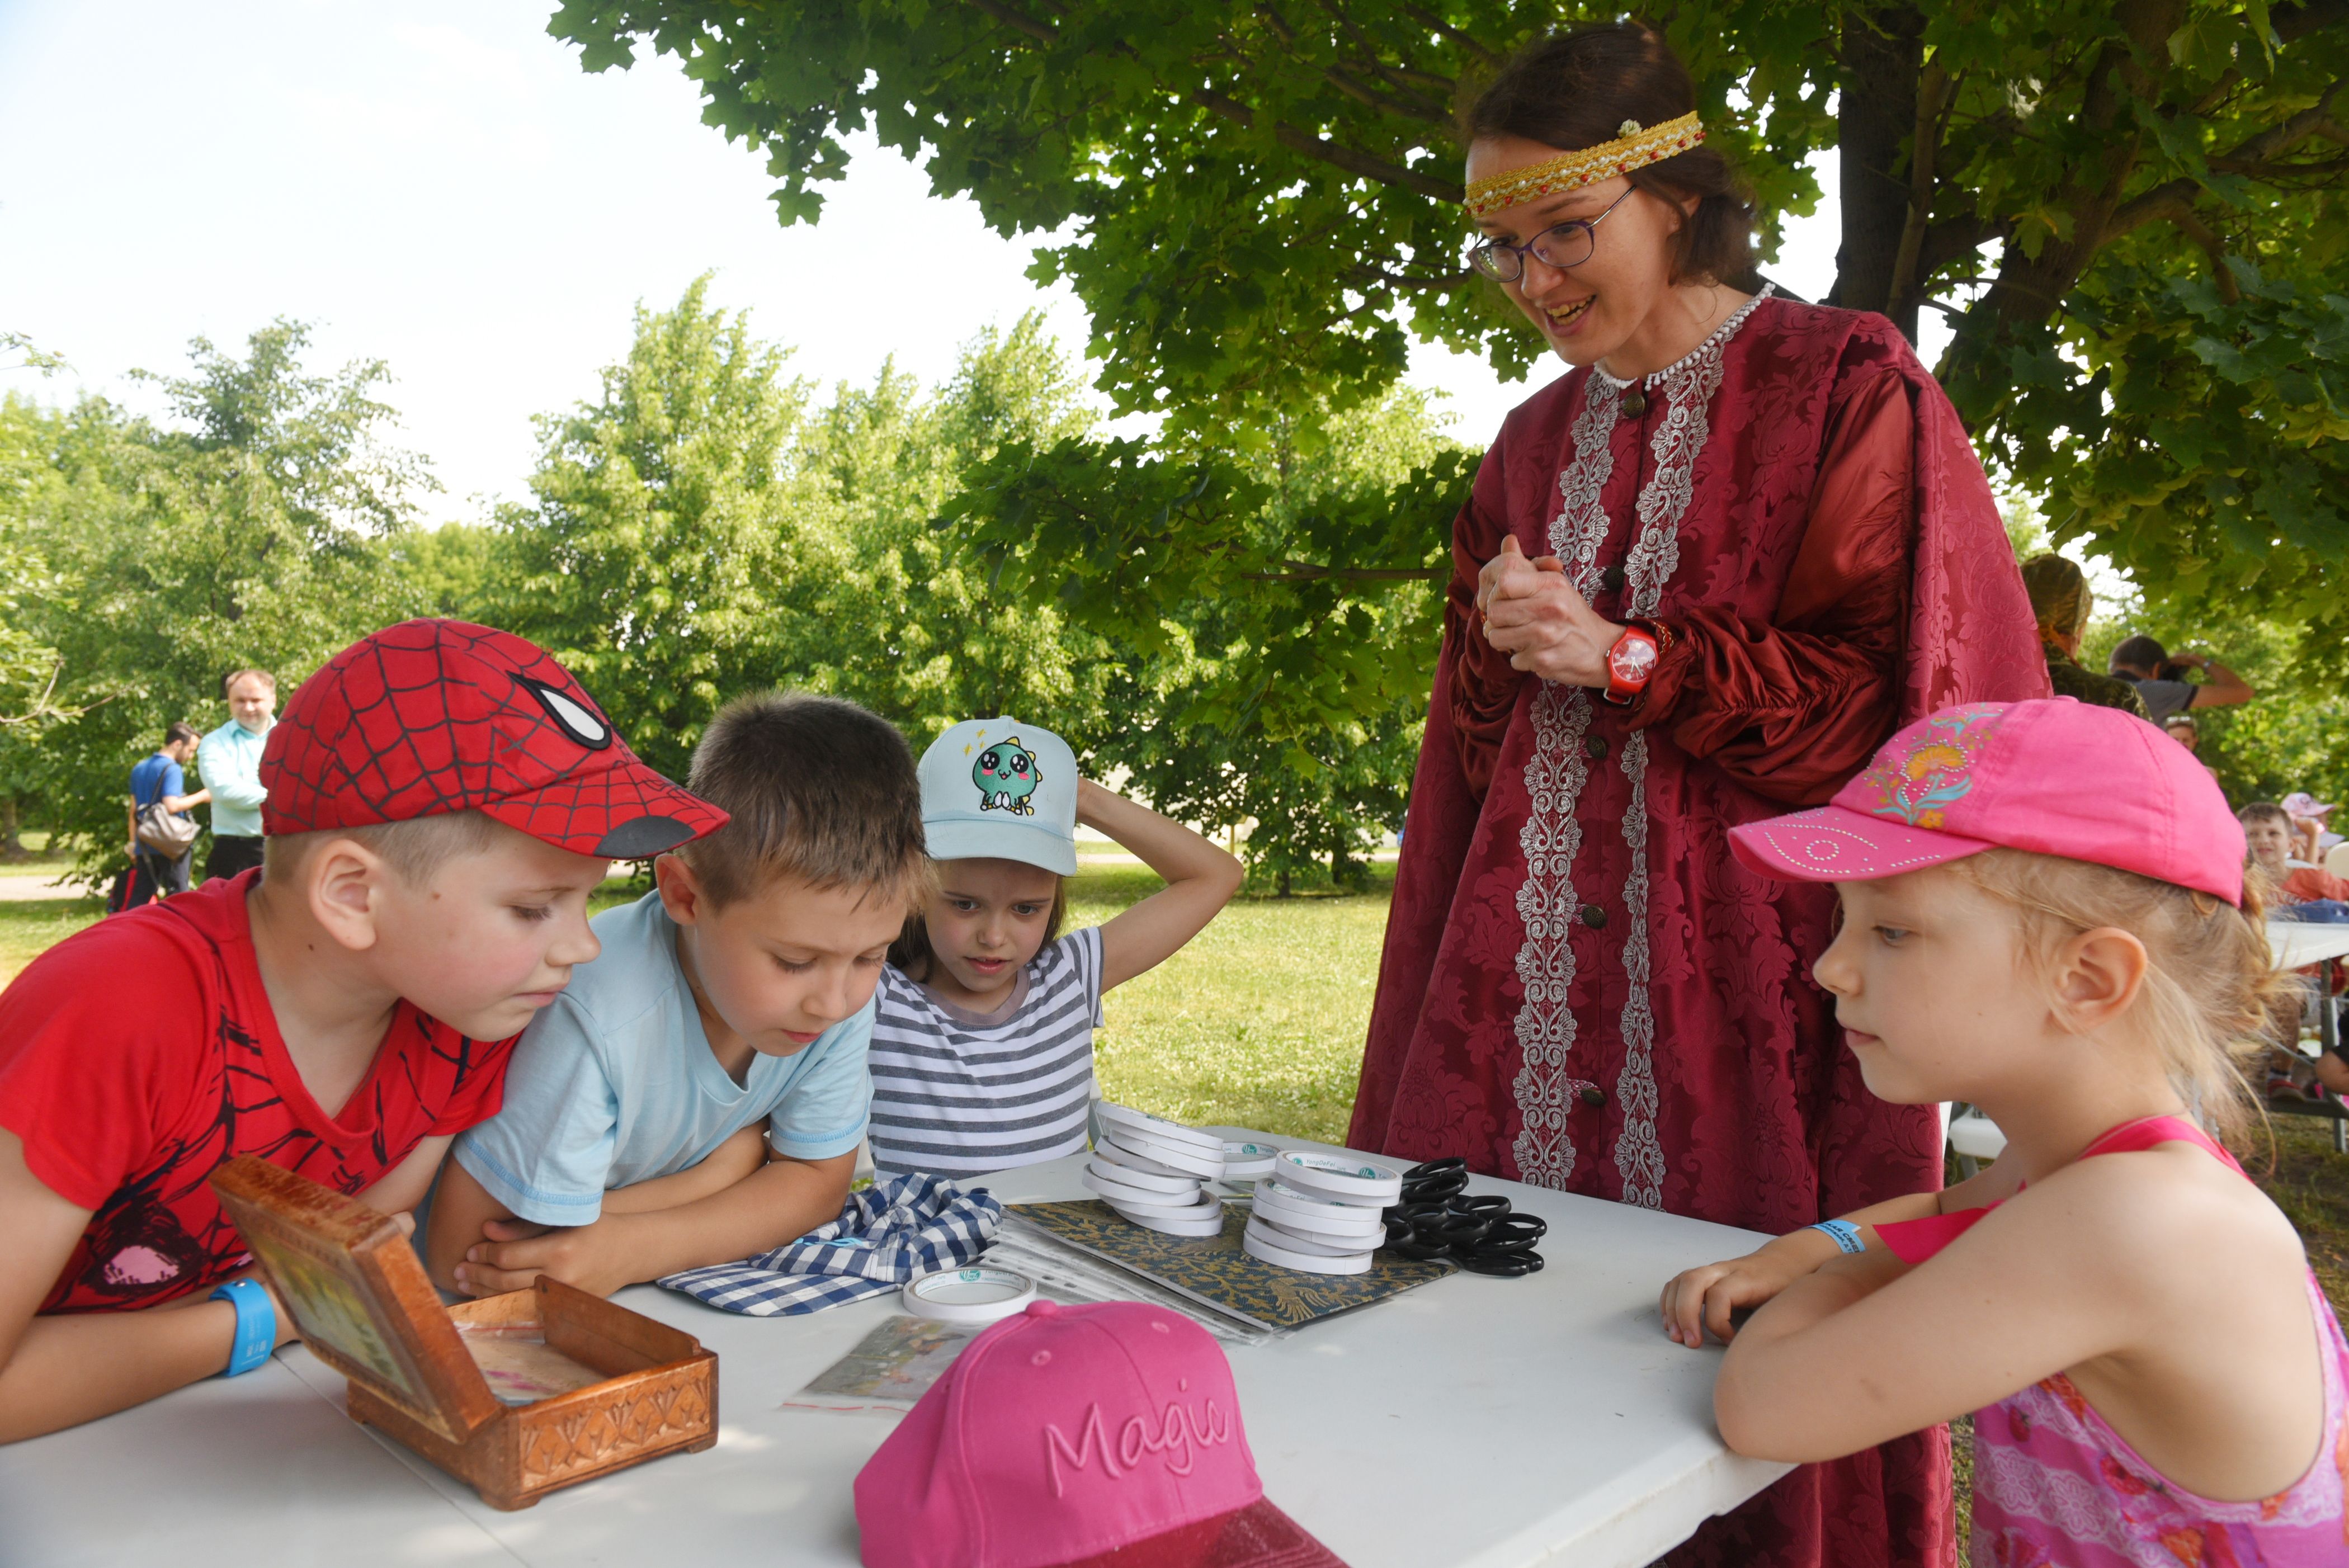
(1634, 149)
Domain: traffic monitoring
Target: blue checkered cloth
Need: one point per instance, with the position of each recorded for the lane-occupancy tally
(898, 1227)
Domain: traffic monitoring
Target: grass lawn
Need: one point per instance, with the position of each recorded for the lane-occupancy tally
(1259, 1023)
(30, 926)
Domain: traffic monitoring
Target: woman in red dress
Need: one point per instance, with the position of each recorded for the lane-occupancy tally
(1698, 581)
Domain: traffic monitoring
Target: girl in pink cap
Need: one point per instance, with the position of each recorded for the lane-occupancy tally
(2044, 914)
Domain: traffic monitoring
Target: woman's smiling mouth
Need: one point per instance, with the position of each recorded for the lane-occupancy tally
(1567, 315)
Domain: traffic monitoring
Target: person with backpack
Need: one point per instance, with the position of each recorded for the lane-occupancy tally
(162, 834)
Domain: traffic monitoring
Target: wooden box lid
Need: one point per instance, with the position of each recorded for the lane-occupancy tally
(358, 1294)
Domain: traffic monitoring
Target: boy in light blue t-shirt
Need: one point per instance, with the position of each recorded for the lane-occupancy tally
(699, 1093)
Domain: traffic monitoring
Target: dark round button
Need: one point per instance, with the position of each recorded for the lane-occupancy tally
(1611, 579)
(1635, 402)
(1593, 1096)
(1593, 916)
(1595, 748)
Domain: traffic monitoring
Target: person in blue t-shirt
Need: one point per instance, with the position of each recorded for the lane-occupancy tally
(699, 1092)
(162, 776)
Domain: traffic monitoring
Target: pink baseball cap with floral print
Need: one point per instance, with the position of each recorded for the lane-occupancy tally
(2053, 776)
(1077, 1437)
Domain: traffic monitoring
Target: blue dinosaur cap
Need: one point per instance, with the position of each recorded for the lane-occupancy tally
(996, 788)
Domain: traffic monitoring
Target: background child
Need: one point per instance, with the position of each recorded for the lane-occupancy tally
(2044, 913)
(983, 1049)
(441, 800)
(2269, 830)
(738, 993)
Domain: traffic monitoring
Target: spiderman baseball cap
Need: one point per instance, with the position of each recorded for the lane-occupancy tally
(2053, 776)
(434, 716)
(1077, 1437)
(996, 788)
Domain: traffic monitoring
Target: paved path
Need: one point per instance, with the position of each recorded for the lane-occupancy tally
(25, 886)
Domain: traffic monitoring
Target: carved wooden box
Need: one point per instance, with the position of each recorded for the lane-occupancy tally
(517, 1394)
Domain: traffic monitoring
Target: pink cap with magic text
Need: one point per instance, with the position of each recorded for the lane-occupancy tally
(2053, 776)
(1077, 1437)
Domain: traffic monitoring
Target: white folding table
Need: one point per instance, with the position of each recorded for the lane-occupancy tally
(2296, 944)
(1483, 1423)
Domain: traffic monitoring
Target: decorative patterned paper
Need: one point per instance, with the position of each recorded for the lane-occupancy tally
(1212, 1269)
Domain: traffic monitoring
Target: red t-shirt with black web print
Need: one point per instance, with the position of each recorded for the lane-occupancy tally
(140, 1055)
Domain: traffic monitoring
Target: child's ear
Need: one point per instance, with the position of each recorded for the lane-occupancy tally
(2100, 974)
(345, 891)
(679, 889)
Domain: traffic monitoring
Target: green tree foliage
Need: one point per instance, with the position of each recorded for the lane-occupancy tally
(703, 530)
(706, 529)
(664, 528)
(2130, 209)
(1274, 654)
(249, 528)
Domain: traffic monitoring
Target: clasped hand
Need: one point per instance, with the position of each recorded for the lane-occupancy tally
(513, 1252)
(1530, 610)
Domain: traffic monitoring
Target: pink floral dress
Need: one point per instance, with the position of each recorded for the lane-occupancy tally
(2054, 1485)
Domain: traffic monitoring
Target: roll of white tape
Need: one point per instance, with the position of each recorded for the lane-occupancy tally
(1158, 1127)
(1165, 1153)
(1247, 1162)
(1198, 1206)
(1322, 1216)
(1118, 1192)
(968, 1295)
(1169, 1222)
(1312, 1246)
(1111, 1167)
(1253, 1243)
(1338, 1176)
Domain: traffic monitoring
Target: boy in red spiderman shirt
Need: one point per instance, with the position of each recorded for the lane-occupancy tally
(442, 799)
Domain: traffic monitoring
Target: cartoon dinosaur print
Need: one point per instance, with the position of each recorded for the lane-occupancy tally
(1007, 776)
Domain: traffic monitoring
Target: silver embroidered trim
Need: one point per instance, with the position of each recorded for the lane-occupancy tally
(1688, 388)
(1552, 835)
(1555, 773)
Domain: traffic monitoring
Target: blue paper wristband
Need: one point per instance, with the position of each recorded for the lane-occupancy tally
(1844, 1233)
(256, 1325)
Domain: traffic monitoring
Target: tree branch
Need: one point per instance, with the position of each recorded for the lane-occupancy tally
(1362, 92)
(2284, 137)
(1444, 29)
(1296, 139)
(2176, 197)
(1321, 147)
(2194, 229)
(1935, 89)
(1017, 21)
(1421, 108)
(1366, 272)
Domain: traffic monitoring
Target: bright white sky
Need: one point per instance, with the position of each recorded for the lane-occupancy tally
(438, 185)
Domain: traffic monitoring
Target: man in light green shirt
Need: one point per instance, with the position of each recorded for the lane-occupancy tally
(230, 761)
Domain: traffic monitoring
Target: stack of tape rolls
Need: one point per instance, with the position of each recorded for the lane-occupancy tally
(1160, 1174)
(1320, 1213)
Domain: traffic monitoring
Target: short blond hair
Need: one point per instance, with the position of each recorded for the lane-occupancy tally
(815, 787)
(414, 849)
(2209, 989)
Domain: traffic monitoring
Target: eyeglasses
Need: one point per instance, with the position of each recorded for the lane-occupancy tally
(1562, 245)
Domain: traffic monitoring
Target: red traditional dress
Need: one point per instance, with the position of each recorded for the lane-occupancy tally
(1581, 988)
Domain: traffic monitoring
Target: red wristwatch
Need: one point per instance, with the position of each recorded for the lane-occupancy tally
(1630, 664)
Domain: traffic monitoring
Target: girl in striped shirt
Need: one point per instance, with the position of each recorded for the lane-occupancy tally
(982, 1051)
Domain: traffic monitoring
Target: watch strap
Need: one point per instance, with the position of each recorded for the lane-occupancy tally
(256, 1325)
